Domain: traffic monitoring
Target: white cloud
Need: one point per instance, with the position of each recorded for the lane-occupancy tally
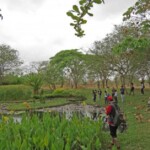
(39, 29)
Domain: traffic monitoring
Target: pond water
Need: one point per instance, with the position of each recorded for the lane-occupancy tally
(81, 110)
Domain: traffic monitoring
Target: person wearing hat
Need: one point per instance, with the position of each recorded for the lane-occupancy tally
(110, 111)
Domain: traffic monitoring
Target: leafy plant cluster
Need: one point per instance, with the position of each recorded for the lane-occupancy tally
(50, 133)
(62, 93)
(15, 92)
(78, 14)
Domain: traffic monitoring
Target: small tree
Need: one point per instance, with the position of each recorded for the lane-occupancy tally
(9, 60)
(35, 81)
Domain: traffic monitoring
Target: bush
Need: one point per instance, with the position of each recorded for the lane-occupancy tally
(11, 79)
(66, 93)
(15, 92)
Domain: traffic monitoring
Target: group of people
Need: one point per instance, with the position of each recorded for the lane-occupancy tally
(111, 100)
(114, 93)
(132, 88)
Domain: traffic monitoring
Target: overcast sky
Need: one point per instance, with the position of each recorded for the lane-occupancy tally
(39, 29)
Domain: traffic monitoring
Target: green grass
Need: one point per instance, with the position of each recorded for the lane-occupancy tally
(137, 135)
(36, 104)
(15, 92)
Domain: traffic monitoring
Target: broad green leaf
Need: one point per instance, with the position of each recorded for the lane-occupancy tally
(81, 2)
(69, 13)
(82, 8)
(97, 1)
(83, 21)
(90, 14)
(72, 24)
(75, 8)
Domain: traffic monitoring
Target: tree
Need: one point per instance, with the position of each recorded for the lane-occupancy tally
(38, 66)
(139, 15)
(54, 76)
(9, 60)
(35, 81)
(71, 64)
(139, 18)
(98, 68)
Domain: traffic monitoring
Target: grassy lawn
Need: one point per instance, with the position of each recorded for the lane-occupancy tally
(37, 104)
(137, 136)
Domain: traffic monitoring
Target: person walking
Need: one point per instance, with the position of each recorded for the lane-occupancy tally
(110, 112)
(113, 92)
(105, 97)
(142, 87)
(94, 95)
(99, 92)
(116, 96)
(132, 89)
(122, 92)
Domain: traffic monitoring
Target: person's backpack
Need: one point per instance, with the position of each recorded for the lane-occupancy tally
(117, 116)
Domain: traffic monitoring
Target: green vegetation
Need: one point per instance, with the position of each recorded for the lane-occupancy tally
(27, 105)
(122, 54)
(135, 108)
(15, 92)
(138, 118)
(50, 133)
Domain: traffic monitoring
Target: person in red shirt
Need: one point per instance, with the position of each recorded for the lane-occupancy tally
(110, 111)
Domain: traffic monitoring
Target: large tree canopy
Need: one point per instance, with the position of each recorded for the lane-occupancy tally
(71, 64)
(139, 14)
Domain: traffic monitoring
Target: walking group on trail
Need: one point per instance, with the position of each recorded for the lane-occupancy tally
(114, 94)
(114, 118)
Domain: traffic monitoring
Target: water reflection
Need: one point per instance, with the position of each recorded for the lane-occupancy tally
(93, 112)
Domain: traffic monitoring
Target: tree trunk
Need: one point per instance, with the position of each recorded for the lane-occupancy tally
(53, 86)
(98, 84)
(149, 81)
(76, 84)
(62, 84)
(103, 83)
(116, 82)
(106, 81)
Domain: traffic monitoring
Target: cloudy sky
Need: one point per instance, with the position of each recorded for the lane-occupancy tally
(39, 29)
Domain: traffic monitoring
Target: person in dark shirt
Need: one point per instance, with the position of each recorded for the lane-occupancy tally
(122, 92)
(142, 87)
(94, 95)
(99, 92)
(132, 89)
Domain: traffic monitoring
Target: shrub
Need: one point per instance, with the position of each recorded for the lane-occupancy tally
(15, 92)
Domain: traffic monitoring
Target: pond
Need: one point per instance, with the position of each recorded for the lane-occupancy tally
(81, 110)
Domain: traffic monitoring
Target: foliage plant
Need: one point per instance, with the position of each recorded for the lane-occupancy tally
(50, 132)
(15, 92)
(35, 81)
